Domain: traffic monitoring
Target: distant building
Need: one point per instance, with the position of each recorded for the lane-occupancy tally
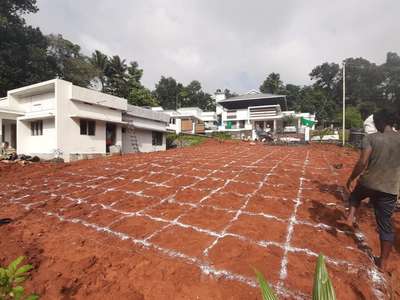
(57, 118)
(191, 120)
(243, 116)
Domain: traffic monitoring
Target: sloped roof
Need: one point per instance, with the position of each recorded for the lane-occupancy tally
(145, 113)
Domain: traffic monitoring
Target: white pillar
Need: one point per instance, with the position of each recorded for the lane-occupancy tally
(1, 130)
(274, 125)
(194, 126)
(307, 134)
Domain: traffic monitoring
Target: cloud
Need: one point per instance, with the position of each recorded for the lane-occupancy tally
(226, 44)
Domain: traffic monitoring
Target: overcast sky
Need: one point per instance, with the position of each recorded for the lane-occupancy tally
(231, 44)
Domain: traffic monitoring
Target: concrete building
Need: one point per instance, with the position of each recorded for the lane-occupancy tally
(57, 118)
(246, 115)
(191, 120)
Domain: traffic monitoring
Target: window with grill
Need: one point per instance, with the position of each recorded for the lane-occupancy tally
(37, 128)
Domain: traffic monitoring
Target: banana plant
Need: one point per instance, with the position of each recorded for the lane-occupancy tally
(322, 290)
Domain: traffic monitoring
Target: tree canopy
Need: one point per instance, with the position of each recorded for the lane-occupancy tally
(27, 56)
(272, 84)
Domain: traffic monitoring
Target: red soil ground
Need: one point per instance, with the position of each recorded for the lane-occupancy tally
(191, 224)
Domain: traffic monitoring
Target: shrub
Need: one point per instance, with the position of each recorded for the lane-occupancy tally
(353, 118)
(183, 140)
(322, 290)
(11, 277)
(289, 120)
(221, 136)
(170, 139)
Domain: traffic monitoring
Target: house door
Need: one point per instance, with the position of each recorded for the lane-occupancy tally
(13, 141)
(111, 135)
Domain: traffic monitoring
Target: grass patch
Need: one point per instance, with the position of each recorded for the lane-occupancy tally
(183, 140)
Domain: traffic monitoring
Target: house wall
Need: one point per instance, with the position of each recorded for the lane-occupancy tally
(144, 140)
(34, 105)
(42, 145)
(69, 139)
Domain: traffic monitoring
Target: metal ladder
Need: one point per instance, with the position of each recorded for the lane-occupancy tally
(133, 138)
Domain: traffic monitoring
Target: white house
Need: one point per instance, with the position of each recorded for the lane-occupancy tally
(245, 115)
(57, 118)
(191, 120)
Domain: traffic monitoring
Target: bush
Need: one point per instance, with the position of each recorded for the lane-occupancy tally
(170, 139)
(11, 277)
(221, 136)
(289, 121)
(353, 118)
(183, 140)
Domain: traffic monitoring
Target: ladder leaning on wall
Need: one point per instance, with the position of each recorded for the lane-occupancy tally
(132, 137)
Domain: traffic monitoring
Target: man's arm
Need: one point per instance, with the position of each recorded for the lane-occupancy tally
(360, 166)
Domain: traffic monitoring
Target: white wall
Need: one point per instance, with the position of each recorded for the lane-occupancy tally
(69, 139)
(100, 99)
(144, 139)
(34, 105)
(41, 145)
(241, 114)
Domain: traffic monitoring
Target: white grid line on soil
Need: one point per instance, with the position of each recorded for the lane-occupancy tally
(244, 206)
(262, 243)
(284, 262)
(203, 267)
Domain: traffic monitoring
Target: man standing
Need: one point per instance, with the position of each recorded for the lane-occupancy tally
(379, 167)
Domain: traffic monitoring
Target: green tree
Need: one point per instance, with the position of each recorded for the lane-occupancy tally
(142, 96)
(316, 100)
(272, 84)
(293, 95)
(327, 77)
(391, 83)
(168, 93)
(363, 82)
(72, 65)
(23, 49)
(117, 77)
(229, 94)
(193, 96)
(100, 61)
(12, 10)
(353, 118)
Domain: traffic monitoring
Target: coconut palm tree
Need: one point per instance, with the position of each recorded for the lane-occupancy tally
(100, 61)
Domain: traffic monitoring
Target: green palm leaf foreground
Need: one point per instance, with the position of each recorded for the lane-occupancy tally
(322, 290)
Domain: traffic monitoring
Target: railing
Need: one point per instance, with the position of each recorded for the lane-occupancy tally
(262, 112)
